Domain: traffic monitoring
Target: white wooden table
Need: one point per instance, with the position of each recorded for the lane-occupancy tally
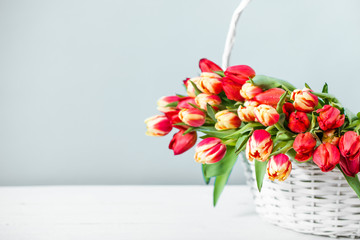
(132, 212)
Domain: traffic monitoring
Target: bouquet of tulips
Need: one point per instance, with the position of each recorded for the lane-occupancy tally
(272, 121)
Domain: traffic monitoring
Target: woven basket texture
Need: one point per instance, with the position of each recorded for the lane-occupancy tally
(309, 201)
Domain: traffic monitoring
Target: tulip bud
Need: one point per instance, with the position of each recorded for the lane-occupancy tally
(227, 120)
(350, 167)
(240, 73)
(158, 126)
(288, 108)
(163, 101)
(184, 103)
(326, 156)
(270, 97)
(279, 167)
(209, 83)
(249, 91)
(330, 137)
(349, 145)
(203, 99)
(189, 87)
(174, 119)
(304, 100)
(246, 113)
(192, 117)
(206, 65)
(259, 146)
(181, 143)
(266, 115)
(251, 103)
(298, 122)
(304, 145)
(210, 150)
(330, 118)
(232, 89)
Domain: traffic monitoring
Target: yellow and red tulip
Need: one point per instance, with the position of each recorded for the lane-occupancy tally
(270, 97)
(227, 120)
(304, 100)
(180, 143)
(204, 98)
(266, 115)
(210, 150)
(246, 113)
(158, 126)
(279, 167)
(209, 83)
(163, 101)
(249, 91)
(304, 145)
(330, 118)
(189, 87)
(192, 117)
(349, 145)
(184, 103)
(326, 156)
(206, 65)
(259, 146)
(298, 122)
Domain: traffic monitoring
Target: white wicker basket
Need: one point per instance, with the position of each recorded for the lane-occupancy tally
(309, 201)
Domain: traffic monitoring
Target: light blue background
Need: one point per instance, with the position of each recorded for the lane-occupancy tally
(77, 78)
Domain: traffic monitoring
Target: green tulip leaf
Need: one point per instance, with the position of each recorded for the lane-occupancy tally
(220, 73)
(325, 88)
(266, 82)
(241, 143)
(211, 112)
(173, 104)
(223, 166)
(260, 170)
(197, 91)
(206, 179)
(307, 86)
(281, 102)
(219, 185)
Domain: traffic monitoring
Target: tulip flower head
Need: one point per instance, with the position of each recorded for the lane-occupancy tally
(330, 137)
(330, 118)
(304, 100)
(210, 150)
(240, 73)
(288, 108)
(298, 122)
(189, 87)
(270, 97)
(227, 120)
(279, 167)
(163, 101)
(349, 145)
(266, 115)
(304, 145)
(184, 103)
(326, 156)
(206, 65)
(259, 146)
(350, 167)
(192, 117)
(232, 89)
(158, 126)
(180, 143)
(209, 83)
(249, 91)
(204, 98)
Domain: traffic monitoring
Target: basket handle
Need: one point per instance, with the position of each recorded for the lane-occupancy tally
(230, 39)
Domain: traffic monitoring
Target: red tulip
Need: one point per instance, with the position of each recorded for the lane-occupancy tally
(349, 145)
(192, 117)
(158, 126)
(209, 83)
(174, 119)
(266, 115)
(279, 167)
(210, 150)
(330, 118)
(163, 101)
(249, 91)
(206, 65)
(304, 145)
(326, 156)
(304, 100)
(184, 103)
(240, 73)
(288, 108)
(232, 89)
(350, 167)
(227, 120)
(259, 146)
(181, 143)
(203, 99)
(298, 122)
(270, 97)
